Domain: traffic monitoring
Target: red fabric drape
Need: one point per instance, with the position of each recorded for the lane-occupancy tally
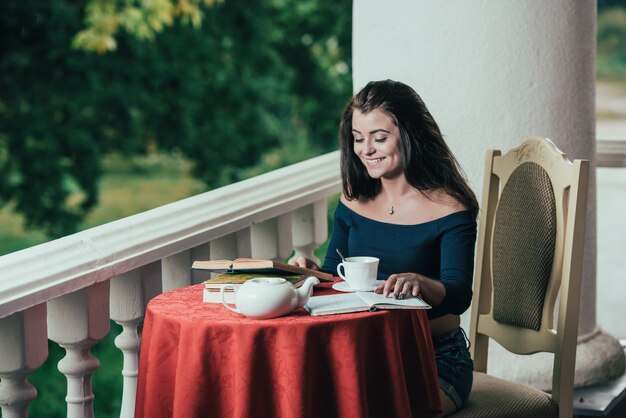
(201, 360)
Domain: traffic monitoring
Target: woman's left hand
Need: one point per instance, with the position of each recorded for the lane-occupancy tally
(400, 285)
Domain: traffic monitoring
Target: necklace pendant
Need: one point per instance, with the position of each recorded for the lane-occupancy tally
(391, 211)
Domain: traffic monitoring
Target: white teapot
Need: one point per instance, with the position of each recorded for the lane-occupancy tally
(270, 297)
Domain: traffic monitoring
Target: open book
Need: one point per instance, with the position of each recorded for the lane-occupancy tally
(358, 302)
(258, 266)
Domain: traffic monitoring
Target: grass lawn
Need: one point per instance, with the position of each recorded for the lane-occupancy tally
(127, 188)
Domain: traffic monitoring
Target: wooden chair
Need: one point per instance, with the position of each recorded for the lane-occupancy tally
(530, 250)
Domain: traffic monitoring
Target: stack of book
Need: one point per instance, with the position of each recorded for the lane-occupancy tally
(232, 281)
(233, 273)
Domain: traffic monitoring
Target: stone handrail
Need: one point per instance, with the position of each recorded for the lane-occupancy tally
(611, 152)
(68, 290)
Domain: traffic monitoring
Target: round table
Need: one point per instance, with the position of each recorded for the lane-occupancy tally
(201, 360)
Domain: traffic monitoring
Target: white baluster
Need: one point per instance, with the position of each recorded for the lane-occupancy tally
(223, 248)
(175, 271)
(232, 246)
(320, 222)
(244, 243)
(264, 240)
(310, 229)
(285, 235)
(127, 309)
(130, 293)
(151, 282)
(272, 239)
(24, 348)
(76, 322)
(201, 252)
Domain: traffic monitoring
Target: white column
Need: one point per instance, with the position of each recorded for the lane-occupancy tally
(24, 348)
(493, 73)
(77, 321)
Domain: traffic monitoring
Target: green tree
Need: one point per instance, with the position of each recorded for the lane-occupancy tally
(611, 53)
(247, 88)
(607, 4)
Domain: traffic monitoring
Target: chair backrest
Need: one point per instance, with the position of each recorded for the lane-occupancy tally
(530, 250)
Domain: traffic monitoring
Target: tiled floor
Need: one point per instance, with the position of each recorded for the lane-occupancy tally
(607, 399)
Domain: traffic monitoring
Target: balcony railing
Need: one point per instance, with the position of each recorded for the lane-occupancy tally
(69, 289)
(611, 152)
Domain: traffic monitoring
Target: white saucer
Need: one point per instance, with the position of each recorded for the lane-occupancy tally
(345, 287)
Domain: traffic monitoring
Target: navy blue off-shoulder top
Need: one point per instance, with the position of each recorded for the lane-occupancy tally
(441, 249)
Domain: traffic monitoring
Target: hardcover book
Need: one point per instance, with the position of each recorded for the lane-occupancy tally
(258, 266)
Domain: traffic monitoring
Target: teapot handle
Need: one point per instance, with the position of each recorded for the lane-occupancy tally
(224, 302)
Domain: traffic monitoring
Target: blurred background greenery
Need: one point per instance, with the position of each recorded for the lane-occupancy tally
(228, 90)
(112, 107)
(611, 49)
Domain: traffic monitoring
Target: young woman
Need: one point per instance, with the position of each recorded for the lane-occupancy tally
(406, 202)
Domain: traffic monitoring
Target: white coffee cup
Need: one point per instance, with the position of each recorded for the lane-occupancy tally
(359, 272)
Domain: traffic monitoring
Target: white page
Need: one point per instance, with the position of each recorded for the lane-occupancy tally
(359, 301)
(379, 299)
(343, 302)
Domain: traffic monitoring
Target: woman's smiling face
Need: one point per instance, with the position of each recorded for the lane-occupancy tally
(376, 139)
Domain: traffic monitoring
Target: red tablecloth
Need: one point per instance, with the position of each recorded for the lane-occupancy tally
(201, 360)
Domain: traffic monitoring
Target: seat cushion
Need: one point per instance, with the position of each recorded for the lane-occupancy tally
(494, 397)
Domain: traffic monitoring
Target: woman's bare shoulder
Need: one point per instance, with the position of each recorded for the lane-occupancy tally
(350, 203)
(442, 204)
(359, 206)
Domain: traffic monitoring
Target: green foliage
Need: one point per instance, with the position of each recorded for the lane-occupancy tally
(49, 141)
(128, 186)
(142, 19)
(607, 4)
(611, 62)
(255, 87)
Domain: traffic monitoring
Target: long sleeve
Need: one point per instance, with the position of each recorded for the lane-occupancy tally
(441, 249)
(457, 266)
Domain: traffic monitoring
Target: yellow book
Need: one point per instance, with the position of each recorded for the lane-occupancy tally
(213, 287)
(258, 266)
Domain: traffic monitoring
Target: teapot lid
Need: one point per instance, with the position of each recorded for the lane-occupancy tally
(267, 280)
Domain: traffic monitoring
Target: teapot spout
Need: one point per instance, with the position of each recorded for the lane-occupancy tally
(304, 292)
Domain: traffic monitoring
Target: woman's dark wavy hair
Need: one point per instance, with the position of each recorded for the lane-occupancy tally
(427, 161)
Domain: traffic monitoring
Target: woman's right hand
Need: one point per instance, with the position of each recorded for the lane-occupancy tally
(305, 262)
